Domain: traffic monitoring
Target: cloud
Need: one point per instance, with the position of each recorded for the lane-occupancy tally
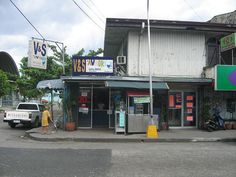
(85, 35)
(15, 45)
(63, 21)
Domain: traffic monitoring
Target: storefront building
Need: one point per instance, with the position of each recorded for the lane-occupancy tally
(183, 54)
(102, 100)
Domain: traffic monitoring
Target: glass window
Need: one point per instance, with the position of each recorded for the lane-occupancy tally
(28, 106)
(139, 105)
(175, 108)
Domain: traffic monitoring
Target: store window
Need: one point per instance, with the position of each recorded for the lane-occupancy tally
(175, 108)
(182, 109)
(189, 109)
(139, 104)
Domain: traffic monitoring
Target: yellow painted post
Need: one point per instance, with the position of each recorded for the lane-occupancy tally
(152, 131)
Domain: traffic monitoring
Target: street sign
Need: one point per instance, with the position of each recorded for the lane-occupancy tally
(37, 54)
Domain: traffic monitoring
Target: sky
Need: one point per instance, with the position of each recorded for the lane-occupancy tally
(64, 21)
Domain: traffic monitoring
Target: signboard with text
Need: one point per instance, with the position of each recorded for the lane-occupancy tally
(225, 77)
(228, 42)
(37, 54)
(92, 66)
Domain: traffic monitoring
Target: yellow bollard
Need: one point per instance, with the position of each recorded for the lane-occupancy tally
(152, 131)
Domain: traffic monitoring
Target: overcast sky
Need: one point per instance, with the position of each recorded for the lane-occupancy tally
(63, 21)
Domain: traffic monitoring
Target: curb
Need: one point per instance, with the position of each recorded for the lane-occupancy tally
(127, 140)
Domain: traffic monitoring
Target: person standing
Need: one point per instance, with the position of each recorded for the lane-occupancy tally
(45, 118)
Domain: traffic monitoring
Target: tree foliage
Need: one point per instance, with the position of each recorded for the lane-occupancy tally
(30, 77)
(4, 83)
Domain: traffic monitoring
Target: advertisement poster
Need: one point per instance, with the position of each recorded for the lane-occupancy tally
(92, 66)
(122, 119)
(175, 101)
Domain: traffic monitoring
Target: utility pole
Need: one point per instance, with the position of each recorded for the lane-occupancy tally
(150, 64)
(152, 128)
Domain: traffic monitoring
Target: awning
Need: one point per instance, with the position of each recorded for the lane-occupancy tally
(51, 84)
(137, 85)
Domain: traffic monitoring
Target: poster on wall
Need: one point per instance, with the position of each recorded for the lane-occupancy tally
(92, 66)
(83, 102)
(37, 54)
(175, 101)
(189, 100)
(122, 119)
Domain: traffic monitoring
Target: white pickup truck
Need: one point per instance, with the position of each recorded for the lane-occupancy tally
(28, 114)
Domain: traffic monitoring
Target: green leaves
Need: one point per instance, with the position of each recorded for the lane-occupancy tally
(4, 83)
(30, 77)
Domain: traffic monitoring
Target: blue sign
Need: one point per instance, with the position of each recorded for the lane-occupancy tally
(92, 66)
(122, 119)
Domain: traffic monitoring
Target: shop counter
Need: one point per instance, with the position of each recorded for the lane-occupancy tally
(137, 123)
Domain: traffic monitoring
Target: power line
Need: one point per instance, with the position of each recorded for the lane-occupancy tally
(27, 20)
(193, 10)
(97, 8)
(88, 16)
(95, 12)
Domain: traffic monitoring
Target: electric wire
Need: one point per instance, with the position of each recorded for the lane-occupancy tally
(97, 8)
(56, 42)
(88, 15)
(27, 20)
(95, 12)
(194, 10)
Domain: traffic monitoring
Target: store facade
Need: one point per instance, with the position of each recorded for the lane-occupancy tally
(104, 88)
(182, 52)
(98, 98)
(102, 100)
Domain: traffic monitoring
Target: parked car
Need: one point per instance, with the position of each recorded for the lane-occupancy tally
(26, 113)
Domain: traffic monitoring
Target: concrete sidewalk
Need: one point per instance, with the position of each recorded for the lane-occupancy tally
(105, 135)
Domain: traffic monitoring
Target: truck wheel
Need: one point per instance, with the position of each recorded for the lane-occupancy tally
(36, 123)
(12, 125)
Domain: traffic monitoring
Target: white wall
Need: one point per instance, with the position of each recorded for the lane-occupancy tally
(174, 53)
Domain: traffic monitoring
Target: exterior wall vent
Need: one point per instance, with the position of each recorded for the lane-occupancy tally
(121, 60)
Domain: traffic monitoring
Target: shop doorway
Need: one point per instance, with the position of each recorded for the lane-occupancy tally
(100, 108)
(182, 109)
(85, 108)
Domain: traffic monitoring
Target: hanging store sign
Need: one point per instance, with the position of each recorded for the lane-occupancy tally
(143, 99)
(37, 54)
(228, 42)
(225, 78)
(92, 66)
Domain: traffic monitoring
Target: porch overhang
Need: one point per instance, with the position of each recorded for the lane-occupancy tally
(137, 85)
(50, 84)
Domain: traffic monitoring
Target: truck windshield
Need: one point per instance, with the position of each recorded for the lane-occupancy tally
(28, 106)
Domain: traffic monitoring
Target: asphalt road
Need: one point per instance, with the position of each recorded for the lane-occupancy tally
(22, 157)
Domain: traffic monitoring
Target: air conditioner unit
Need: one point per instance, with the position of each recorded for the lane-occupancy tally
(121, 60)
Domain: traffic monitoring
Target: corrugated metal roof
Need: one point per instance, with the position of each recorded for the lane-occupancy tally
(7, 64)
(117, 30)
(51, 84)
(137, 85)
(135, 78)
(227, 18)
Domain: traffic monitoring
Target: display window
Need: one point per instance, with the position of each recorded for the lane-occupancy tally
(138, 102)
